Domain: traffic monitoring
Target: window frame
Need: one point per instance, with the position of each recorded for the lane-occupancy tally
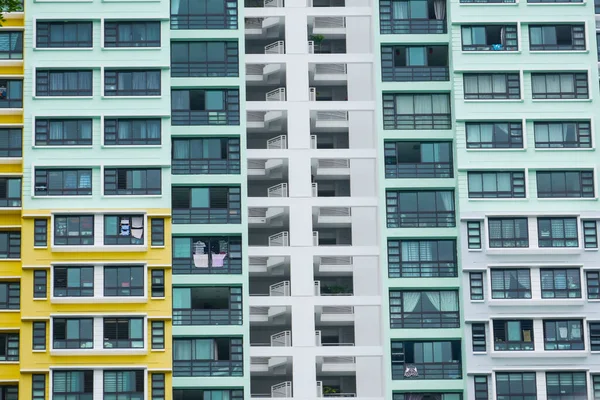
(567, 292)
(476, 286)
(578, 79)
(13, 245)
(14, 95)
(157, 289)
(113, 185)
(579, 344)
(85, 234)
(124, 226)
(10, 53)
(420, 317)
(81, 290)
(191, 164)
(39, 332)
(182, 257)
(44, 29)
(523, 394)
(157, 336)
(512, 86)
(112, 131)
(86, 378)
(578, 42)
(223, 205)
(561, 392)
(122, 337)
(583, 178)
(582, 131)
(81, 342)
(157, 232)
(516, 179)
(44, 131)
(421, 215)
(197, 115)
(478, 338)
(8, 199)
(501, 335)
(112, 78)
(590, 234)
(43, 77)
(510, 34)
(14, 140)
(519, 292)
(40, 233)
(520, 240)
(514, 135)
(437, 268)
(135, 290)
(227, 67)
(227, 18)
(474, 239)
(592, 283)
(9, 352)
(12, 298)
(45, 177)
(158, 386)
(546, 237)
(392, 120)
(40, 284)
(38, 387)
(111, 34)
(481, 388)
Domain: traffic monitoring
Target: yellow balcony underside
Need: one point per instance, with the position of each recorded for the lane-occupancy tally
(44, 360)
(15, 118)
(9, 320)
(10, 268)
(10, 372)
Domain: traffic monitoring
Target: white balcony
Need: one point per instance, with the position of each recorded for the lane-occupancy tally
(329, 26)
(267, 265)
(271, 121)
(271, 168)
(334, 215)
(335, 264)
(335, 314)
(280, 239)
(335, 167)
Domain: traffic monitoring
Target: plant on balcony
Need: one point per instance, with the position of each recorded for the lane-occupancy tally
(330, 390)
(317, 39)
(335, 289)
(8, 6)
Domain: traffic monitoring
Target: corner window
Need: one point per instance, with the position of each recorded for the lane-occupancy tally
(511, 284)
(73, 281)
(63, 34)
(132, 182)
(63, 83)
(508, 232)
(123, 333)
(63, 182)
(563, 335)
(132, 83)
(560, 283)
(123, 281)
(557, 232)
(132, 131)
(63, 132)
(73, 333)
(123, 230)
(132, 34)
(77, 230)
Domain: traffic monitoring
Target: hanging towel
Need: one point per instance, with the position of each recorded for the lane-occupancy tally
(137, 227)
(201, 260)
(217, 259)
(125, 228)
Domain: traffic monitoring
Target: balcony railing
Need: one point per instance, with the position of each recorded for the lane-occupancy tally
(207, 216)
(225, 20)
(186, 266)
(413, 26)
(422, 269)
(416, 371)
(408, 320)
(417, 121)
(433, 219)
(204, 69)
(419, 170)
(513, 346)
(414, 74)
(205, 167)
(199, 118)
(207, 368)
(206, 317)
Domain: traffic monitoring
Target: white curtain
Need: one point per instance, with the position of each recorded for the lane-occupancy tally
(439, 7)
(448, 301)
(447, 200)
(175, 6)
(434, 298)
(399, 10)
(410, 301)
(410, 251)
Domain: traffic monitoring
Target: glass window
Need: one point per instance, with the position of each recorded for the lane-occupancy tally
(60, 83)
(590, 234)
(159, 387)
(158, 335)
(9, 346)
(489, 37)
(63, 34)
(205, 156)
(205, 107)
(508, 232)
(478, 337)
(132, 182)
(556, 37)
(594, 328)
(516, 386)
(492, 86)
(207, 255)
(511, 284)
(561, 184)
(124, 281)
(557, 232)
(405, 159)
(40, 233)
(593, 284)
(474, 234)
(76, 230)
(11, 45)
(10, 244)
(132, 83)
(63, 132)
(481, 387)
(158, 231)
(213, 14)
(418, 209)
(513, 335)
(73, 333)
(206, 205)
(568, 134)
(560, 283)
(563, 335)
(158, 283)
(11, 142)
(40, 284)
(39, 335)
(494, 135)
(73, 281)
(566, 385)
(11, 93)
(422, 258)
(132, 131)
(123, 333)
(562, 85)
(204, 59)
(427, 309)
(38, 387)
(10, 295)
(132, 34)
(476, 285)
(10, 192)
(416, 111)
(63, 182)
(124, 230)
(493, 185)
(77, 385)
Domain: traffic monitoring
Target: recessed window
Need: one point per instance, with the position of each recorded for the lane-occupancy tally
(566, 385)
(63, 34)
(124, 230)
(40, 233)
(123, 333)
(562, 184)
(511, 284)
(557, 232)
(10, 192)
(561, 283)
(132, 83)
(207, 305)
(123, 281)
(11, 142)
(516, 385)
(76, 230)
(39, 335)
(556, 37)
(9, 347)
(205, 107)
(414, 63)
(158, 335)
(11, 45)
(132, 34)
(492, 86)
(476, 285)
(220, 356)
(73, 281)
(404, 159)
(132, 131)
(478, 337)
(566, 85)
(158, 283)
(10, 244)
(40, 284)
(158, 231)
(494, 135)
(132, 182)
(513, 335)
(63, 83)
(72, 333)
(493, 185)
(72, 384)
(571, 134)
(63, 132)
(10, 295)
(416, 111)
(207, 255)
(508, 232)
(206, 205)
(63, 182)
(563, 335)
(418, 209)
(422, 258)
(204, 59)
(489, 38)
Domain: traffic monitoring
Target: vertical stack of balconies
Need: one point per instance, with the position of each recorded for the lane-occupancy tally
(11, 173)
(312, 200)
(96, 295)
(423, 327)
(210, 319)
(526, 93)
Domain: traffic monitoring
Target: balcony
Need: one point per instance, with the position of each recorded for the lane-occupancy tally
(414, 360)
(207, 255)
(489, 38)
(414, 63)
(342, 286)
(205, 156)
(264, 3)
(422, 259)
(430, 309)
(206, 205)
(418, 160)
(428, 20)
(265, 35)
(198, 368)
(420, 209)
(207, 306)
(221, 15)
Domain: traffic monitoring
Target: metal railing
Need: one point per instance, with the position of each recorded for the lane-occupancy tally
(207, 368)
(278, 142)
(312, 94)
(283, 389)
(280, 289)
(335, 212)
(207, 216)
(206, 317)
(279, 190)
(277, 47)
(186, 266)
(200, 118)
(276, 95)
(414, 74)
(420, 170)
(333, 163)
(422, 269)
(315, 190)
(434, 371)
(413, 26)
(439, 219)
(205, 167)
(441, 319)
(281, 339)
(329, 22)
(417, 121)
